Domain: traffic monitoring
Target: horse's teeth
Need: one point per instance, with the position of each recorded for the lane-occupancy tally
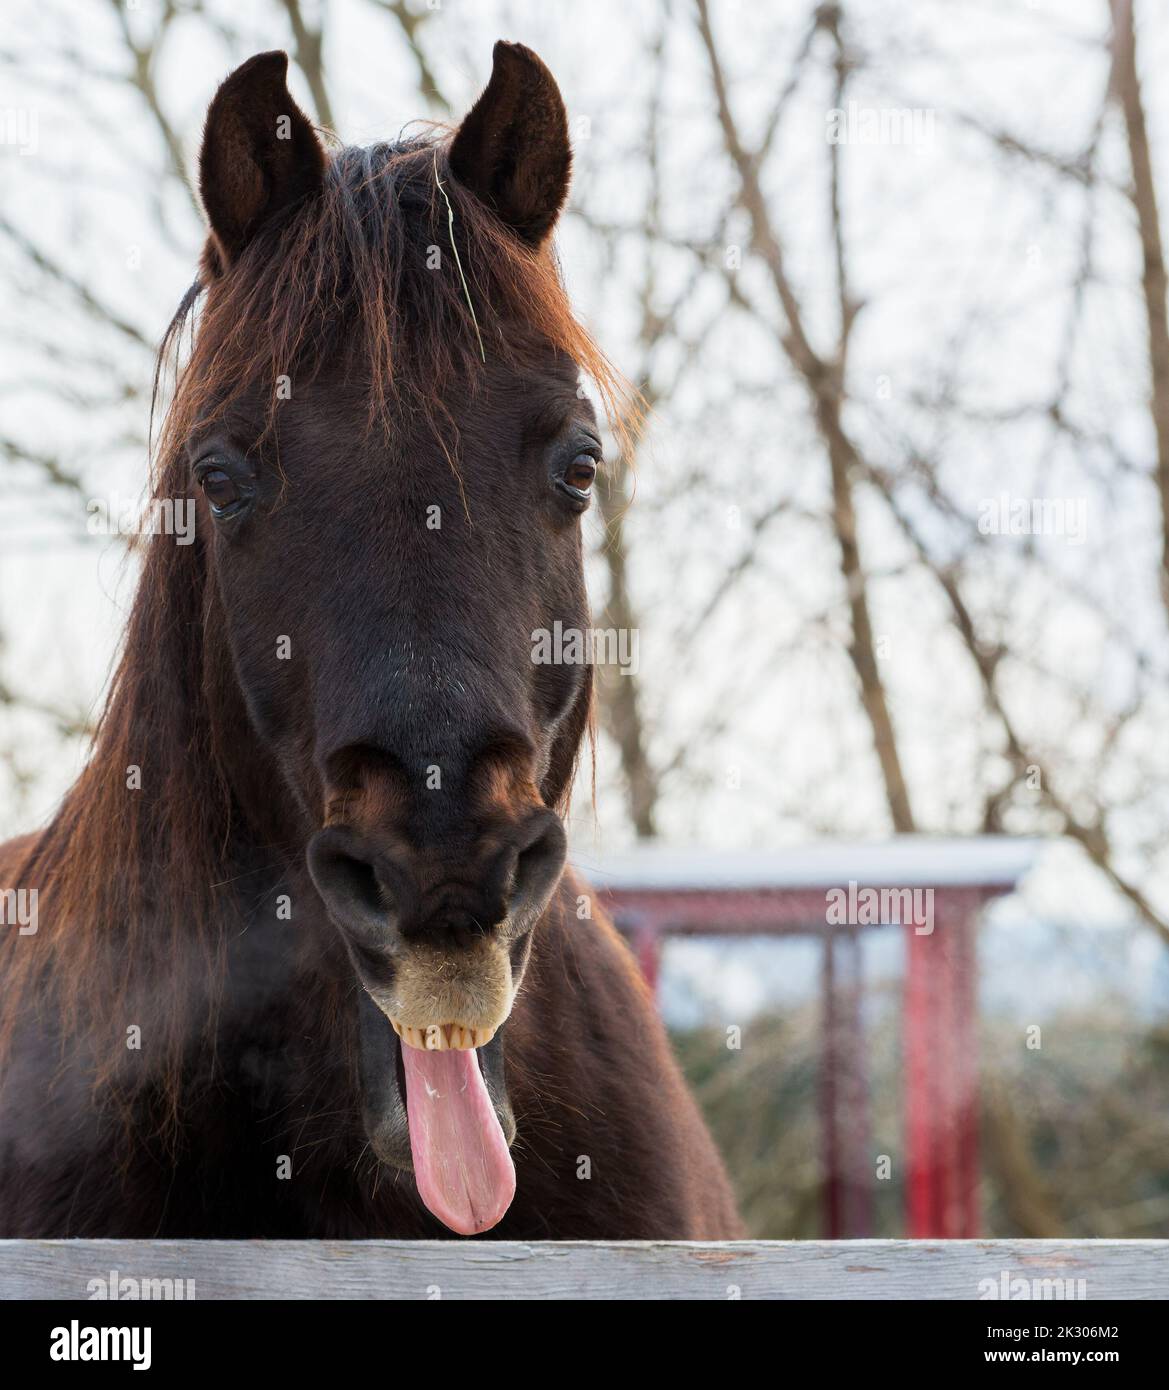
(443, 1037)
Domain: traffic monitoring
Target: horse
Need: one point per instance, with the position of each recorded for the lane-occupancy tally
(307, 960)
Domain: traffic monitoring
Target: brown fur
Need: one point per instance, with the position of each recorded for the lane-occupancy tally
(157, 906)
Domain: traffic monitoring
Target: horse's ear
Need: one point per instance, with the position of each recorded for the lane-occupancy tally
(512, 149)
(260, 154)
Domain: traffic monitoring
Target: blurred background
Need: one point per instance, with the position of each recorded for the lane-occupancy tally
(895, 542)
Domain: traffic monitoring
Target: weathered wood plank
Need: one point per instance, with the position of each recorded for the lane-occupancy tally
(595, 1270)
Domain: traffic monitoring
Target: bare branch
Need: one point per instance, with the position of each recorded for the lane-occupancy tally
(308, 52)
(1154, 282)
(411, 23)
(825, 387)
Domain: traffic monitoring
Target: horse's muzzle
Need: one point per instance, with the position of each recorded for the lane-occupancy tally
(440, 941)
(381, 890)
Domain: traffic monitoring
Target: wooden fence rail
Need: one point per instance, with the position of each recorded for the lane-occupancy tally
(384, 1269)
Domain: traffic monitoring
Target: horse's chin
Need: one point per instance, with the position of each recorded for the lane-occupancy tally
(388, 1095)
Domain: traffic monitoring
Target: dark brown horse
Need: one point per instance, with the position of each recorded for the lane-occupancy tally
(306, 960)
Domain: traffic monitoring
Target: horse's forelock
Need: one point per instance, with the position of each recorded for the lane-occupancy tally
(393, 260)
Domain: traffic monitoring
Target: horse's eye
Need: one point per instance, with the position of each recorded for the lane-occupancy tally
(219, 489)
(580, 472)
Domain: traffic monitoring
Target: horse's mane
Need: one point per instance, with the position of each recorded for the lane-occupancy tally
(134, 906)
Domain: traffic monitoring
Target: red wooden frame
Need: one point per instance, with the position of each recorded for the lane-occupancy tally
(941, 1058)
(939, 1038)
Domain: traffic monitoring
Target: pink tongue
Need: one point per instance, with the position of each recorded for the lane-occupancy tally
(462, 1165)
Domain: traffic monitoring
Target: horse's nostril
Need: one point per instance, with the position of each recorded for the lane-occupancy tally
(382, 901)
(538, 867)
(355, 884)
